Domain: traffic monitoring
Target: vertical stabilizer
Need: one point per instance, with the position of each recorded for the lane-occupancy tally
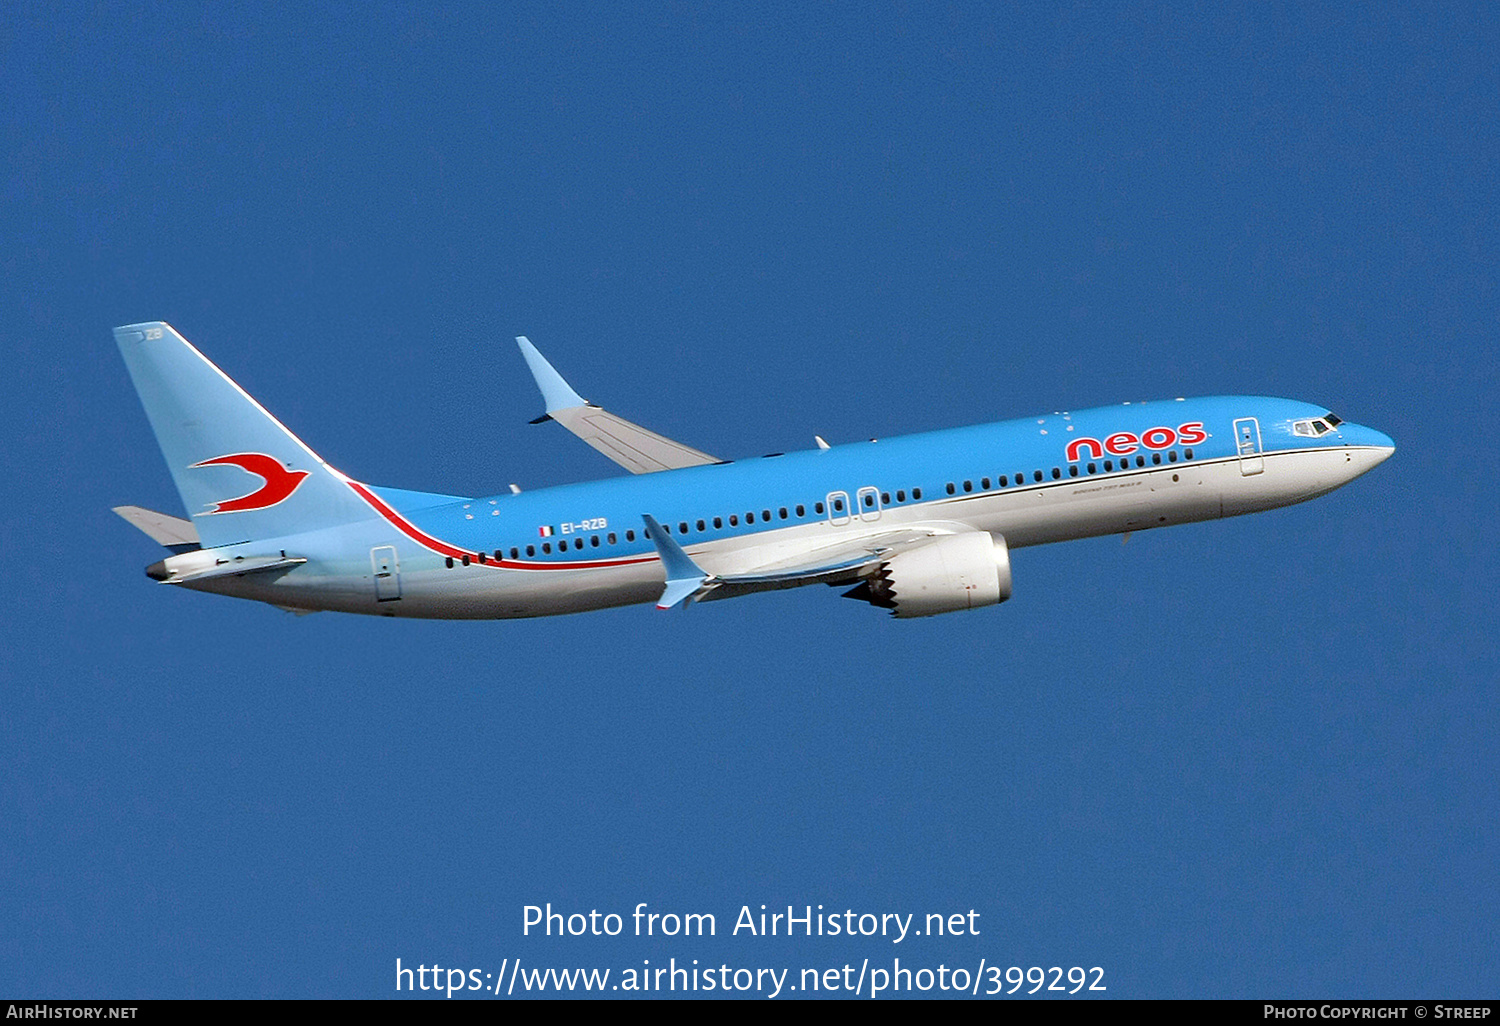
(241, 474)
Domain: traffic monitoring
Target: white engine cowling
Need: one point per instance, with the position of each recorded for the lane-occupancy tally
(951, 572)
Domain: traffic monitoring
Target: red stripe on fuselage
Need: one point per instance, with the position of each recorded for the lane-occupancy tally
(442, 548)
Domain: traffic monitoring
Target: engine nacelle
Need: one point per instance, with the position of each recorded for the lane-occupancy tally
(951, 572)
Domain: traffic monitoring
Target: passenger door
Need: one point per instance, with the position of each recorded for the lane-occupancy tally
(1247, 442)
(387, 573)
(838, 508)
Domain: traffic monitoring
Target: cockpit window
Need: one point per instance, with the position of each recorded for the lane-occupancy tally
(1332, 420)
(1315, 428)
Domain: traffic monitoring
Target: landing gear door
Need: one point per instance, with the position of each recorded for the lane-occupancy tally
(387, 573)
(1247, 441)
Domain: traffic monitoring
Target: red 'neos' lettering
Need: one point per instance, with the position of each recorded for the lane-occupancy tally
(1096, 451)
(1159, 438)
(1123, 443)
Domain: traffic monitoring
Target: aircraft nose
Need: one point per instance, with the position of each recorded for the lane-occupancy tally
(1371, 447)
(1378, 440)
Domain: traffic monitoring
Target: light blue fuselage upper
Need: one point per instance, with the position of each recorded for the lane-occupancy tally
(1032, 480)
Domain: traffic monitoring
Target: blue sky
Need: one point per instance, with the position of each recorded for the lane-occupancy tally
(1246, 758)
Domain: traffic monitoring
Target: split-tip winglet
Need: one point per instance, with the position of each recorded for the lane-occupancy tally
(684, 577)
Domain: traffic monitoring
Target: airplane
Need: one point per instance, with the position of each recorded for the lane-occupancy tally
(918, 525)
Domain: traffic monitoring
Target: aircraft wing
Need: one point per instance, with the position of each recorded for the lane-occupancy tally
(633, 447)
(844, 560)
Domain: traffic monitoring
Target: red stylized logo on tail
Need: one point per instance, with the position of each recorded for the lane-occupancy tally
(280, 482)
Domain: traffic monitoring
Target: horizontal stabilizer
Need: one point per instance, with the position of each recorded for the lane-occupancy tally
(633, 447)
(175, 533)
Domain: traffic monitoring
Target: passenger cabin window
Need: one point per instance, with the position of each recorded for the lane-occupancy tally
(630, 536)
(916, 493)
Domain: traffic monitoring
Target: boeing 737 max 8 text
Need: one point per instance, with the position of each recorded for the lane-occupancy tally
(919, 525)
